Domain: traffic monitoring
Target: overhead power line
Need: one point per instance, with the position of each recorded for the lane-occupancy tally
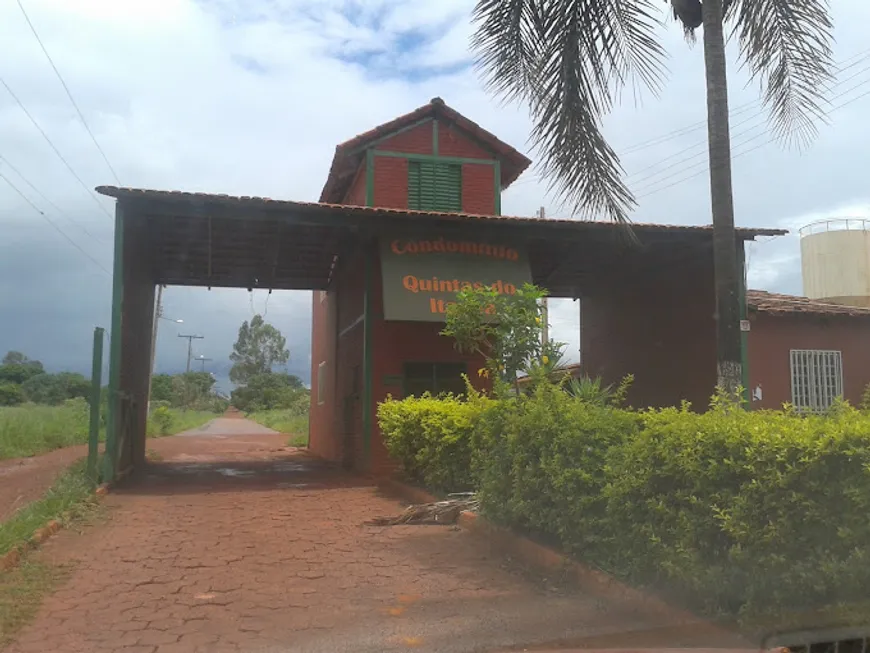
(752, 149)
(54, 148)
(52, 223)
(846, 64)
(5, 161)
(68, 92)
(703, 143)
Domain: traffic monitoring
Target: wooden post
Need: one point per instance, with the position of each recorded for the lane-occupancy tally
(96, 396)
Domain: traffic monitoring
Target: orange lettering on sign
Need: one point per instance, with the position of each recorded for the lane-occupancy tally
(468, 248)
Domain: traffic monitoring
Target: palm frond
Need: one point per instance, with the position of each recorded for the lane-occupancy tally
(569, 59)
(787, 46)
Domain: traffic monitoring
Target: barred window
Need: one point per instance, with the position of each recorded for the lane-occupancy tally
(816, 378)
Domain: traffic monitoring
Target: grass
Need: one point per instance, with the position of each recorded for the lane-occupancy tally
(21, 593)
(285, 421)
(69, 500)
(176, 421)
(32, 429)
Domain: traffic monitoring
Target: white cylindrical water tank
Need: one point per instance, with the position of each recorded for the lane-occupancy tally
(835, 261)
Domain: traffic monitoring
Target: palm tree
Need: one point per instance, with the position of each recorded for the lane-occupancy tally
(569, 59)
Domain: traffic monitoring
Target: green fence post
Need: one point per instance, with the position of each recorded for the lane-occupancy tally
(96, 390)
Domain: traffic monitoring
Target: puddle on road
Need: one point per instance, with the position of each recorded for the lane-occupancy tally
(234, 473)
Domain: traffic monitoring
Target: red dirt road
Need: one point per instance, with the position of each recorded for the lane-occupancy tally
(23, 480)
(235, 543)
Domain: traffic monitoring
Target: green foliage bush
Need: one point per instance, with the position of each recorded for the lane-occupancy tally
(271, 391)
(432, 437)
(731, 511)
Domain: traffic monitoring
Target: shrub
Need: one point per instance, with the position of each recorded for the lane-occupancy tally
(541, 464)
(730, 511)
(745, 510)
(431, 437)
(162, 418)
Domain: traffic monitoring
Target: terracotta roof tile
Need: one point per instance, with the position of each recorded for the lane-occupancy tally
(188, 201)
(774, 303)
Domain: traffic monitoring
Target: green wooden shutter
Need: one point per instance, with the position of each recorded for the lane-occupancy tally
(434, 186)
(448, 187)
(414, 185)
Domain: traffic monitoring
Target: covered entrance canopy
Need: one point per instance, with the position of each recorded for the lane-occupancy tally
(196, 239)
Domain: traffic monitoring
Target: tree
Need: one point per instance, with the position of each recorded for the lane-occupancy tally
(53, 389)
(16, 368)
(10, 394)
(161, 387)
(506, 330)
(569, 60)
(259, 347)
(191, 388)
(270, 391)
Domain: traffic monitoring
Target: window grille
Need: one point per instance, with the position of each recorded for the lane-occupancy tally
(816, 378)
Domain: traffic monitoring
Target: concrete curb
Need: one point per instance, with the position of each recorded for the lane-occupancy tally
(13, 557)
(538, 556)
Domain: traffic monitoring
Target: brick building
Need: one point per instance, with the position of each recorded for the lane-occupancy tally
(438, 178)
(805, 351)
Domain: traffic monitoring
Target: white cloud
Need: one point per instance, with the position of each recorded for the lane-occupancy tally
(251, 98)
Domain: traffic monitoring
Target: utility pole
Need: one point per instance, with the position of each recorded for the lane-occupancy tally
(190, 340)
(203, 360)
(158, 315)
(158, 309)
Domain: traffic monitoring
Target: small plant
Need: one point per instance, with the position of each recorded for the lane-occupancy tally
(162, 418)
(506, 330)
(592, 390)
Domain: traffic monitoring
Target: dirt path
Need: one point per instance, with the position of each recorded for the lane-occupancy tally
(236, 543)
(23, 480)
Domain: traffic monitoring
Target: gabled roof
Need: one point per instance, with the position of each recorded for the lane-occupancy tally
(349, 154)
(774, 303)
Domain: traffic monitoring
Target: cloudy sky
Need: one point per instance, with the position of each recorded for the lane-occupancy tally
(250, 97)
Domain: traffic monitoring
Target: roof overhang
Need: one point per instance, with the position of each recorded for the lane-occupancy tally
(253, 242)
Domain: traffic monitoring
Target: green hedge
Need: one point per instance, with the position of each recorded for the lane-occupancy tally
(731, 511)
(432, 438)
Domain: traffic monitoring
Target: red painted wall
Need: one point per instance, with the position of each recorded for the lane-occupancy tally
(772, 337)
(337, 339)
(661, 330)
(323, 331)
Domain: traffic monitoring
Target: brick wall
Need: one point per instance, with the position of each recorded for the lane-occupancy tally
(478, 188)
(417, 140)
(391, 182)
(453, 142)
(391, 173)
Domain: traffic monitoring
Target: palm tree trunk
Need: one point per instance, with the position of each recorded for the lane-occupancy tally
(726, 273)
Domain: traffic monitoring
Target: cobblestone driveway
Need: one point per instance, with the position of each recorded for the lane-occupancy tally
(234, 543)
